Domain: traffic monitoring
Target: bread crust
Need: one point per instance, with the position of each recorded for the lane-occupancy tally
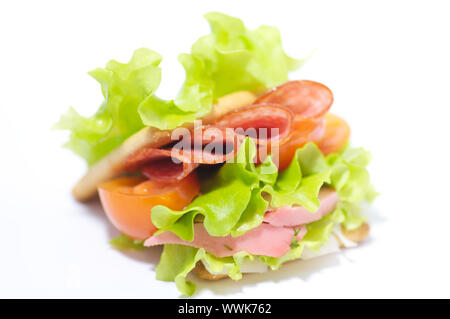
(112, 165)
(357, 235)
(203, 273)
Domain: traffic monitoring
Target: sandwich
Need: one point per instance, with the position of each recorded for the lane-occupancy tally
(243, 171)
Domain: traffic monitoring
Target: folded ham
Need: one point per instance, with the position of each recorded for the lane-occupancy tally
(272, 238)
(266, 240)
(297, 215)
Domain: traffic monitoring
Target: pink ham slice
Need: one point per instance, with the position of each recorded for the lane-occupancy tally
(291, 216)
(272, 238)
(159, 164)
(266, 240)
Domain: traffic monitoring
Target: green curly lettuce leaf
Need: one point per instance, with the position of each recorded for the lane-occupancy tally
(232, 202)
(300, 183)
(124, 87)
(309, 170)
(177, 261)
(238, 58)
(349, 176)
(123, 242)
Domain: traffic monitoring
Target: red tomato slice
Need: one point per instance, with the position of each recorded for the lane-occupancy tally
(128, 201)
(337, 133)
(330, 134)
(305, 130)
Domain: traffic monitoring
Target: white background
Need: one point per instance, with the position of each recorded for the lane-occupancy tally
(386, 62)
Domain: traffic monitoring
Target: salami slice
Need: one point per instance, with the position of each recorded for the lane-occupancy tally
(161, 164)
(266, 124)
(213, 144)
(305, 98)
(270, 122)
